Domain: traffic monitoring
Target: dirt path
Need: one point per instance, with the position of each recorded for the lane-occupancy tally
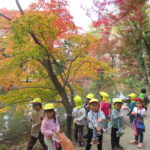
(127, 137)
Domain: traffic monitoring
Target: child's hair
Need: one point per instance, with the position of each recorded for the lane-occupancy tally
(143, 90)
(54, 113)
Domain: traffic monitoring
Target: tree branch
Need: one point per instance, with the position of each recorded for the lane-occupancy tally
(30, 32)
(15, 103)
(25, 102)
(19, 6)
(28, 87)
(5, 17)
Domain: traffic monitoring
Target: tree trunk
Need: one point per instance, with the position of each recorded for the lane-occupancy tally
(148, 54)
(142, 65)
(62, 92)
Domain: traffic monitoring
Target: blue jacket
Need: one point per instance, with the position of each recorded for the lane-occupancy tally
(117, 121)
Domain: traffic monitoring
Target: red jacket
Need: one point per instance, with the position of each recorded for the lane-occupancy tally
(104, 107)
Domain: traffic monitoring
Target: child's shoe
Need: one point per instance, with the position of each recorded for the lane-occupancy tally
(81, 144)
(133, 142)
(120, 147)
(140, 145)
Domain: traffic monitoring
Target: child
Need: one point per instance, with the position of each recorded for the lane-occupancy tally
(117, 125)
(105, 107)
(86, 105)
(87, 109)
(138, 123)
(145, 98)
(50, 127)
(36, 117)
(78, 119)
(96, 117)
(131, 106)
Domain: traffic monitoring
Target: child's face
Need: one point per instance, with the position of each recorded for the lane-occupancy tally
(118, 106)
(87, 100)
(37, 107)
(95, 106)
(50, 114)
(139, 104)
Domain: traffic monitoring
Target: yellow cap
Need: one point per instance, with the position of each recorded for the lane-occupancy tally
(132, 95)
(36, 101)
(90, 96)
(117, 100)
(49, 106)
(77, 98)
(94, 100)
(105, 96)
(78, 101)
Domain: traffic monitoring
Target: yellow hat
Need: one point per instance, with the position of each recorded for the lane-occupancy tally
(132, 96)
(77, 98)
(78, 101)
(105, 96)
(49, 106)
(94, 100)
(36, 101)
(90, 96)
(117, 100)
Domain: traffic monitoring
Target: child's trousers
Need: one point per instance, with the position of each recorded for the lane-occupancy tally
(49, 144)
(140, 135)
(114, 139)
(33, 140)
(78, 133)
(90, 136)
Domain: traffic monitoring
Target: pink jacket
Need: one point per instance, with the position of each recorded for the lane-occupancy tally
(104, 106)
(48, 127)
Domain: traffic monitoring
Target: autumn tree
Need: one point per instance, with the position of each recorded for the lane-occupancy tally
(126, 15)
(43, 54)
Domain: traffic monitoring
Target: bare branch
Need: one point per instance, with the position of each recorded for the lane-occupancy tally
(70, 70)
(25, 102)
(5, 17)
(30, 87)
(19, 6)
(15, 103)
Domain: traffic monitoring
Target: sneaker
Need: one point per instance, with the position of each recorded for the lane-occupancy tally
(133, 142)
(81, 144)
(120, 147)
(140, 145)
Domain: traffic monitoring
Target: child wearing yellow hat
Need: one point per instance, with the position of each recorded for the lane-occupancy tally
(105, 107)
(117, 125)
(95, 132)
(36, 118)
(50, 127)
(132, 104)
(79, 120)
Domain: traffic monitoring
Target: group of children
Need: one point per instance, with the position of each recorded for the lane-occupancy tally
(94, 115)
(100, 115)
